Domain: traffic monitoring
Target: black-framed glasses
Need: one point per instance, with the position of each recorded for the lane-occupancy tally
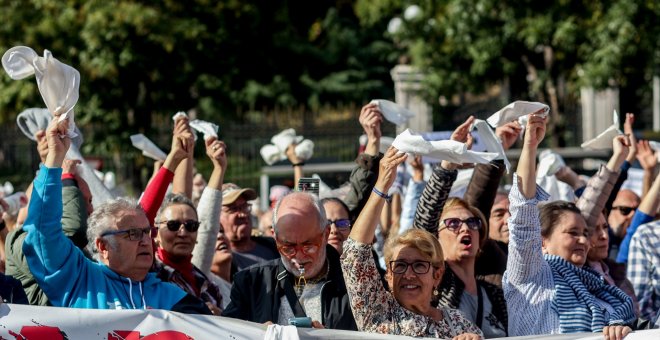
(174, 225)
(134, 234)
(455, 223)
(341, 223)
(624, 210)
(418, 267)
(233, 209)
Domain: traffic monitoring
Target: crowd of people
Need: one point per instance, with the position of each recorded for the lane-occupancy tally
(395, 254)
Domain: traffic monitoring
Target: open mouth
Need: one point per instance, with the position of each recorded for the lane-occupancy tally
(222, 246)
(466, 240)
(409, 287)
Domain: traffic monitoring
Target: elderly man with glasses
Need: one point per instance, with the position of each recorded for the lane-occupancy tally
(122, 235)
(306, 281)
(236, 221)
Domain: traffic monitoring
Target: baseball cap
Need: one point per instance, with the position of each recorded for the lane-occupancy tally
(231, 192)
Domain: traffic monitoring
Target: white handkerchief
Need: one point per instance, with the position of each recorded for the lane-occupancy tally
(179, 115)
(32, 120)
(271, 154)
(148, 148)
(449, 150)
(305, 149)
(514, 110)
(385, 143)
(490, 141)
(604, 140)
(279, 332)
(285, 138)
(208, 129)
(58, 83)
(393, 112)
(549, 163)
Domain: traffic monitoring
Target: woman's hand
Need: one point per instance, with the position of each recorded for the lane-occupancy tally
(387, 169)
(508, 133)
(461, 134)
(216, 151)
(467, 336)
(616, 332)
(535, 129)
(58, 143)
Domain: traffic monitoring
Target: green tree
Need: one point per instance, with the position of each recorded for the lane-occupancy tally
(468, 45)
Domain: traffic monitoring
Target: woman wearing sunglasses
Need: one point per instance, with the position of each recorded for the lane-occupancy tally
(177, 234)
(546, 282)
(462, 231)
(414, 268)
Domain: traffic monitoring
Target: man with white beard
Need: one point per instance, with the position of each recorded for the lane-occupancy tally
(306, 281)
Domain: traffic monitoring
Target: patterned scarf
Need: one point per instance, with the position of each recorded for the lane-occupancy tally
(575, 292)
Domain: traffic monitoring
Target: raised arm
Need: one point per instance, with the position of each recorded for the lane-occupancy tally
(649, 162)
(296, 163)
(210, 206)
(645, 213)
(155, 191)
(183, 173)
(429, 208)
(365, 173)
(525, 254)
(600, 186)
(365, 226)
(486, 178)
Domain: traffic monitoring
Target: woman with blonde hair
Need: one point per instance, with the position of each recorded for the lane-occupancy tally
(414, 268)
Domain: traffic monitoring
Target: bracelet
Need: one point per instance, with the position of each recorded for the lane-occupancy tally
(298, 164)
(388, 198)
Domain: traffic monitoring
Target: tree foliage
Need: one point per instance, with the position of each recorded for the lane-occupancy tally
(467, 45)
(138, 59)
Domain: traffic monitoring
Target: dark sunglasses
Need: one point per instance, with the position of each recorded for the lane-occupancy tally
(190, 225)
(455, 223)
(624, 210)
(134, 234)
(418, 267)
(341, 223)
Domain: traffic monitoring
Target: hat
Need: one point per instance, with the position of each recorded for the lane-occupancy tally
(231, 192)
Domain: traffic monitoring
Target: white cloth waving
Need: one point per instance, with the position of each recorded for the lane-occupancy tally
(453, 151)
(58, 83)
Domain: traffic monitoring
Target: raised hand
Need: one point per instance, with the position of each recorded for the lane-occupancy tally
(69, 166)
(628, 131)
(535, 130)
(462, 132)
(508, 133)
(216, 151)
(291, 154)
(646, 155)
(371, 119)
(58, 143)
(42, 145)
(418, 168)
(387, 168)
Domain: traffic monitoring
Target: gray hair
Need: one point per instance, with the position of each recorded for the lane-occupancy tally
(311, 198)
(174, 199)
(103, 219)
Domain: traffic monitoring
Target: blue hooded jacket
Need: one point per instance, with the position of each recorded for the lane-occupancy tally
(69, 279)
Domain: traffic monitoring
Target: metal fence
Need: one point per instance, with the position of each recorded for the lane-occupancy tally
(333, 129)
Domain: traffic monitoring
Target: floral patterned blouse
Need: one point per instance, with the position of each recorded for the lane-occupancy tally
(377, 311)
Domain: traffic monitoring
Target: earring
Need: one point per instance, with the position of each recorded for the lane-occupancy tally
(435, 292)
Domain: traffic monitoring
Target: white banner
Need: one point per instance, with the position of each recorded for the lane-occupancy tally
(53, 323)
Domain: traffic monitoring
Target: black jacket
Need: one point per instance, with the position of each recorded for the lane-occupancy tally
(257, 292)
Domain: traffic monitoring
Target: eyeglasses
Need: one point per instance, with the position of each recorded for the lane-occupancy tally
(455, 223)
(233, 209)
(341, 223)
(309, 248)
(190, 225)
(134, 234)
(418, 267)
(624, 210)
